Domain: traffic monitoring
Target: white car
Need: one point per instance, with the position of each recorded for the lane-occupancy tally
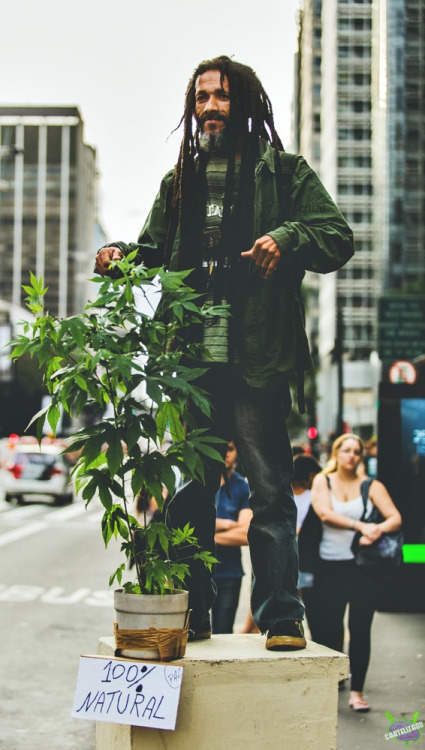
(33, 469)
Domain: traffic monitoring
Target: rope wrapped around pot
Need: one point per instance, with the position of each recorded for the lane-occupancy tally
(170, 642)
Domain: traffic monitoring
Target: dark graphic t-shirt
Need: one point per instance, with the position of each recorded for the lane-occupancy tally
(216, 333)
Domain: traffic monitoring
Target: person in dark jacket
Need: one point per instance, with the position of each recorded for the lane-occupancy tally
(249, 220)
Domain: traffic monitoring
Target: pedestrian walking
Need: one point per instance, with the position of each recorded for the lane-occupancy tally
(337, 500)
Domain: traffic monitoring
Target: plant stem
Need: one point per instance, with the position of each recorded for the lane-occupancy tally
(112, 397)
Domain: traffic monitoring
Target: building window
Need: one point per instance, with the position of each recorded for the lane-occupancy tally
(54, 141)
(354, 161)
(359, 105)
(361, 79)
(362, 217)
(361, 134)
(396, 252)
(317, 8)
(363, 245)
(363, 189)
(361, 24)
(355, 189)
(31, 144)
(362, 50)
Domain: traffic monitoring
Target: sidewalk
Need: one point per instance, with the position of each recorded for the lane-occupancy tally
(395, 680)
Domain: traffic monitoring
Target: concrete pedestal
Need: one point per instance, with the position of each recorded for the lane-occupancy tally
(237, 694)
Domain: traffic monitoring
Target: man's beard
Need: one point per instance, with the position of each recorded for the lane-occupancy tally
(213, 143)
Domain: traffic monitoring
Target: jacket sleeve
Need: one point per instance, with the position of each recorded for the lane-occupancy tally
(153, 235)
(315, 234)
(151, 241)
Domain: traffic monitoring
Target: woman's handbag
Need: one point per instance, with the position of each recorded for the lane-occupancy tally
(386, 552)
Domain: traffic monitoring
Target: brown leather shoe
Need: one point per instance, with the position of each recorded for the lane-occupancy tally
(286, 636)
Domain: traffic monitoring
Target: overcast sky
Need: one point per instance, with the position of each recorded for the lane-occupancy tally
(126, 64)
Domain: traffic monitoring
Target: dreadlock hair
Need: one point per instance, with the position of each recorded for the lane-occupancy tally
(251, 117)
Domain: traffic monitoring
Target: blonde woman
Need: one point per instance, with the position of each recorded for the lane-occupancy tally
(336, 499)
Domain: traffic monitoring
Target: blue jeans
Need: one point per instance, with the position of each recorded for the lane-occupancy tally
(226, 603)
(255, 419)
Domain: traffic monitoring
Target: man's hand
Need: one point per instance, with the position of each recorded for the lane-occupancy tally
(104, 258)
(265, 254)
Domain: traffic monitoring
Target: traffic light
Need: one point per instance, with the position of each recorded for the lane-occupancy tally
(312, 433)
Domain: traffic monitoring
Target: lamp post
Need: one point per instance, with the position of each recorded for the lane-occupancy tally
(338, 352)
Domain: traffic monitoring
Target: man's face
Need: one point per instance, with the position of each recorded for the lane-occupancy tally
(212, 108)
(231, 454)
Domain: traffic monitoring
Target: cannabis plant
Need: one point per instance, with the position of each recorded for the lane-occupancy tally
(138, 372)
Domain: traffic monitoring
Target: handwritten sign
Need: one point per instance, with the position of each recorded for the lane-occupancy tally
(127, 692)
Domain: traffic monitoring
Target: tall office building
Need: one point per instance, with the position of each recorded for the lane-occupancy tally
(370, 157)
(307, 109)
(47, 205)
(399, 140)
(308, 83)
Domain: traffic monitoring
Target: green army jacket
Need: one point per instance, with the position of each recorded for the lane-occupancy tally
(293, 207)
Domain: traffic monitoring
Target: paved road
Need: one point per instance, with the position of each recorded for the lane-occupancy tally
(54, 605)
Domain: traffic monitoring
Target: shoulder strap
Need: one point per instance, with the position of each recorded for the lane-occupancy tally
(364, 489)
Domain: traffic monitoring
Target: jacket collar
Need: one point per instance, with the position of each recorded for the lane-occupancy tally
(266, 154)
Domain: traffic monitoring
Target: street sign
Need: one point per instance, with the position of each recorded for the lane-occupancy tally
(401, 327)
(402, 372)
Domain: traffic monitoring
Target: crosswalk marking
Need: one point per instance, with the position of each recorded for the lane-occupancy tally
(15, 534)
(70, 511)
(23, 511)
(36, 517)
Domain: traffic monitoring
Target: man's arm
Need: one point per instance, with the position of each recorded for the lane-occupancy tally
(151, 241)
(236, 534)
(154, 232)
(316, 236)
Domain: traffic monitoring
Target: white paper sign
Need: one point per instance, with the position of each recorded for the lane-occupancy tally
(127, 692)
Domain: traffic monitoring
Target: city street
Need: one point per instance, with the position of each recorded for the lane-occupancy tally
(55, 605)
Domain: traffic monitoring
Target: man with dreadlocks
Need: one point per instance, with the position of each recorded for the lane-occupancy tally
(250, 220)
